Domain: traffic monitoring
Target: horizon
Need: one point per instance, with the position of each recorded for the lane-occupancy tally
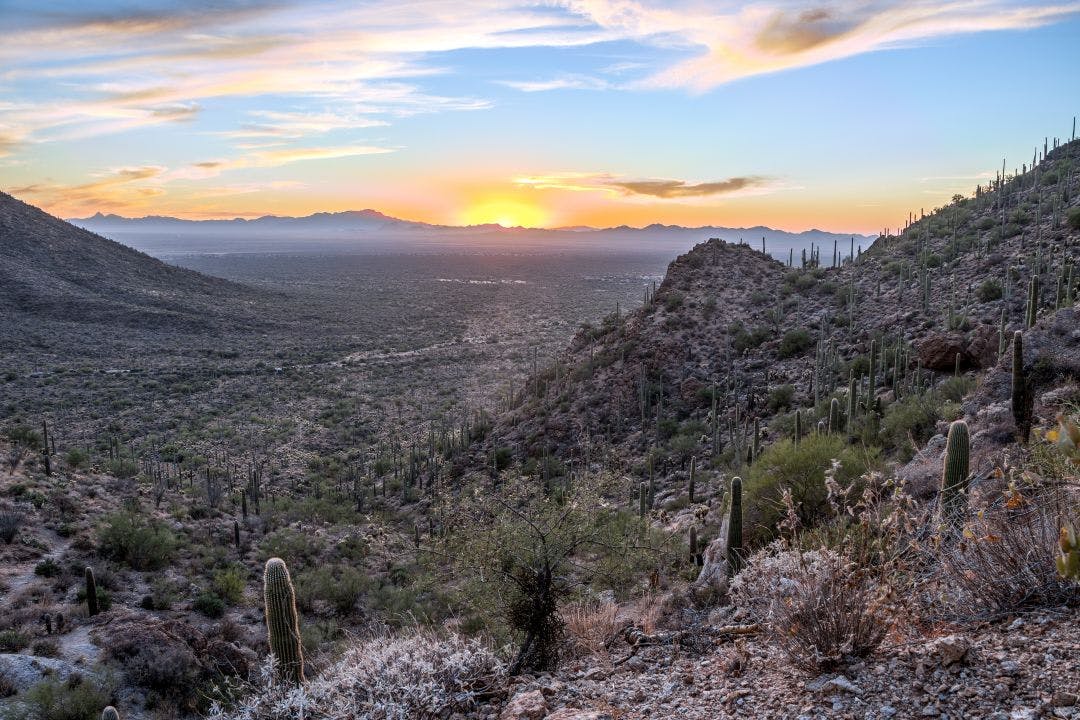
(572, 114)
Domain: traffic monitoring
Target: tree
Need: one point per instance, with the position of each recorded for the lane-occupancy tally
(530, 545)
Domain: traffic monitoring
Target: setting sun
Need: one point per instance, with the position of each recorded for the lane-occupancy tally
(505, 212)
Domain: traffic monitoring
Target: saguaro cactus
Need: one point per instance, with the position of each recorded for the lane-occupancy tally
(110, 713)
(834, 416)
(695, 556)
(643, 500)
(954, 475)
(798, 426)
(282, 621)
(734, 529)
(1021, 404)
(91, 591)
(690, 488)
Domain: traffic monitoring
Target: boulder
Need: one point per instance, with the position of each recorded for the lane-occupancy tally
(938, 352)
(526, 705)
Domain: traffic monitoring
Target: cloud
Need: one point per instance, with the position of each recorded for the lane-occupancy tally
(730, 41)
(567, 82)
(649, 189)
(113, 190)
(681, 189)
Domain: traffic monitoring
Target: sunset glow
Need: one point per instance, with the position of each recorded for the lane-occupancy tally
(572, 113)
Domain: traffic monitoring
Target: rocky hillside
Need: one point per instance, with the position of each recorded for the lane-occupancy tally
(54, 270)
(732, 337)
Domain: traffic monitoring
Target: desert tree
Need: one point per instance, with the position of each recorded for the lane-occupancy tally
(526, 546)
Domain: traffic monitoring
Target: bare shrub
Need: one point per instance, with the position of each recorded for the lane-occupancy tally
(412, 677)
(820, 606)
(591, 627)
(1003, 561)
(9, 525)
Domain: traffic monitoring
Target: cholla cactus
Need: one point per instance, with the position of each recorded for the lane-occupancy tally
(1068, 559)
(282, 621)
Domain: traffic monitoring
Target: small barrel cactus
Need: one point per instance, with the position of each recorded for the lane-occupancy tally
(954, 476)
(282, 621)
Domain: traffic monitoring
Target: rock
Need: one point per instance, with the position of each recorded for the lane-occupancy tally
(526, 705)
(938, 351)
(983, 347)
(950, 649)
(1063, 698)
(22, 671)
(575, 714)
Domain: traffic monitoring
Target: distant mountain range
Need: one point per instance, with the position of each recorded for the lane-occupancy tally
(361, 229)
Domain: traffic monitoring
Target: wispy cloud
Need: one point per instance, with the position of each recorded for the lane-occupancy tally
(116, 189)
(566, 82)
(653, 189)
(731, 41)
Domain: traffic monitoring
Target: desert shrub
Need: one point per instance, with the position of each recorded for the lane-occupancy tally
(591, 627)
(77, 698)
(76, 458)
(821, 607)
(909, 423)
(794, 342)
(229, 584)
(801, 471)
(421, 675)
(130, 537)
(12, 641)
(743, 340)
(209, 604)
(45, 647)
(989, 290)
(48, 568)
(103, 597)
(1005, 560)
(336, 586)
(780, 398)
(1074, 218)
(9, 525)
(955, 388)
(294, 547)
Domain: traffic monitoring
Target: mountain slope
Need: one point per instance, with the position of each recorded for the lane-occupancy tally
(730, 322)
(54, 270)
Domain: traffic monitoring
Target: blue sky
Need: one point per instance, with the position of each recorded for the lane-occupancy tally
(602, 112)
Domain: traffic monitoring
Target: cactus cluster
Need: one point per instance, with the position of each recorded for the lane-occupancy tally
(282, 621)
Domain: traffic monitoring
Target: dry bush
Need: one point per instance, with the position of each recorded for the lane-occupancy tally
(591, 627)
(9, 525)
(1003, 561)
(820, 606)
(412, 677)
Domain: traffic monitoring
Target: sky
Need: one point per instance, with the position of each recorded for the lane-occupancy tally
(844, 116)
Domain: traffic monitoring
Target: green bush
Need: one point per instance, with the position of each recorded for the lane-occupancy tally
(801, 470)
(209, 604)
(76, 458)
(909, 423)
(795, 342)
(780, 398)
(229, 584)
(1074, 218)
(76, 698)
(340, 586)
(12, 641)
(143, 543)
(989, 290)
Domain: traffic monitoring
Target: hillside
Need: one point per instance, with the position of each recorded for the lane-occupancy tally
(56, 271)
(576, 552)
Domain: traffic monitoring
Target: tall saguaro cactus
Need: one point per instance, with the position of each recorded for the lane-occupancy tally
(282, 621)
(91, 591)
(110, 713)
(1021, 402)
(734, 528)
(954, 475)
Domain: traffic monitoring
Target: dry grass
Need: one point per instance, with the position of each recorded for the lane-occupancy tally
(591, 627)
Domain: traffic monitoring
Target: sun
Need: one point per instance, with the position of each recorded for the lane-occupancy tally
(505, 212)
